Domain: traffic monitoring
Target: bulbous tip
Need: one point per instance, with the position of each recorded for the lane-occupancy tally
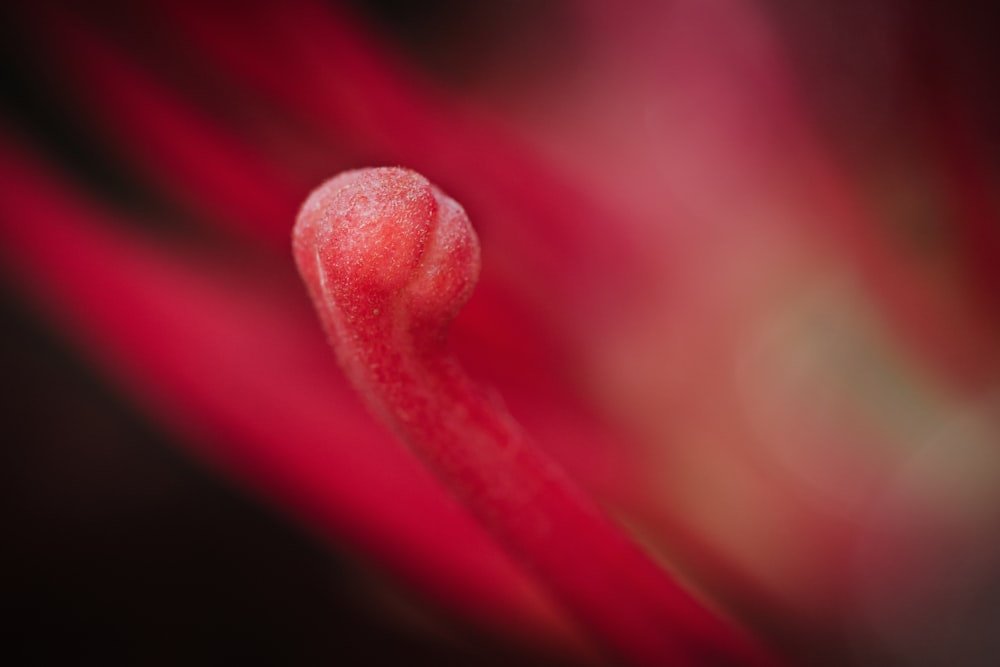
(370, 235)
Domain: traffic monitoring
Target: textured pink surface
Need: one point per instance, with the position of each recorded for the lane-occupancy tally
(388, 260)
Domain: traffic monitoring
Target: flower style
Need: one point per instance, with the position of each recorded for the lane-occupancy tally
(728, 406)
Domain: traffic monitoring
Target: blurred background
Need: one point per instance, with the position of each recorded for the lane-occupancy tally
(810, 189)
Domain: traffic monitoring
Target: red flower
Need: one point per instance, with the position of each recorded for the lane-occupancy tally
(703, 300)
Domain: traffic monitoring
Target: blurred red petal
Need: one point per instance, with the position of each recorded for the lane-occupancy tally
(237, 366)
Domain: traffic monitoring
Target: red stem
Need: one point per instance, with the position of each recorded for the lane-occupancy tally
(389, 260)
